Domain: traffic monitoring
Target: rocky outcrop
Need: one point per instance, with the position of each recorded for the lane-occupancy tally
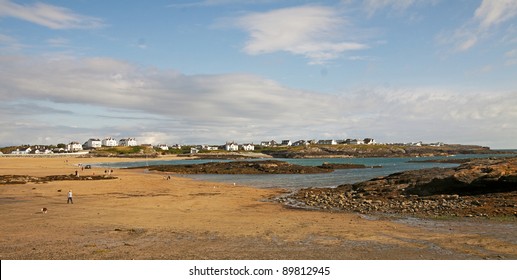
(485, 187)
(241, 167)
(23, 179)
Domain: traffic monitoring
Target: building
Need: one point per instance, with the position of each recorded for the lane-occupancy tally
(369, 141)
(271, 143)
(163, 147)
(327, 142)
(231, 146)
(209, 148)
(354, 141)
(301, 143)
(127, 142)
(22, 152)
(93, 143)
(286, 143)
(74, 147)
(248, 147)
(109, 142)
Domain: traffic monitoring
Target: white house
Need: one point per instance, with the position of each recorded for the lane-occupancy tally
(45, 152)
(127, 142)
(22, 152)
(93, 143)
(176, 146)
(271, 143)
(369, 141)
(286, 143)
(248, 147)
(209, 148)
(109, 142)
(74, 147)
(163, 147)
(231, 146)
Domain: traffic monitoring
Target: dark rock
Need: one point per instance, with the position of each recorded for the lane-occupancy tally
(241, 167)
(483, 188)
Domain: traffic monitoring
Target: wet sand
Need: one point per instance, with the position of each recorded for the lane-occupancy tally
(140, 215)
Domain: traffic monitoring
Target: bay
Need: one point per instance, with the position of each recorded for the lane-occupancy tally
(295, 181)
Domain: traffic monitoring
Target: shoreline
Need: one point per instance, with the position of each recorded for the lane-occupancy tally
(142, 216)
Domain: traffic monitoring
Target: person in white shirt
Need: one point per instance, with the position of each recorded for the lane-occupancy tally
(70, 197)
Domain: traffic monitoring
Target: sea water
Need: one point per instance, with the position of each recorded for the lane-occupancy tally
(294, 181)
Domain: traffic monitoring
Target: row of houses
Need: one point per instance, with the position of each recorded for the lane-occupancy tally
(233, 146)
(109, 142)
(93, 143)
(273, 143)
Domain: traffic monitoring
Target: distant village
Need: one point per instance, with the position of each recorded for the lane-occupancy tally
(94, 143)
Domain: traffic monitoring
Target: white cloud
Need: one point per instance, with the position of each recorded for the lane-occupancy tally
(486, 18)
(50, 16)
(316, 32)
(493, 12)
(75, 99)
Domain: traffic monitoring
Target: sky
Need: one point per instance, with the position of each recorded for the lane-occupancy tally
(211, 71)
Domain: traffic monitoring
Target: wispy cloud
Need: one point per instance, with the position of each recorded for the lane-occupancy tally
(315, 32)
(50, 16)
(494, 12)
(212, 3)
(373, 6)
(487, 17)
(511, 57)
(9, 43)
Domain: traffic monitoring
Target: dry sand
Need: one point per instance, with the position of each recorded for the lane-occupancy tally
(140, 215)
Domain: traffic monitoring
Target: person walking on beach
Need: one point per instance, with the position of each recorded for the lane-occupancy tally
(70, 197)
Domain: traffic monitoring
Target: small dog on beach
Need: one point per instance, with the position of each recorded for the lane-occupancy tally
(44, 210)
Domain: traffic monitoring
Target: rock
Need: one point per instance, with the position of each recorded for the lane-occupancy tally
(436, 191)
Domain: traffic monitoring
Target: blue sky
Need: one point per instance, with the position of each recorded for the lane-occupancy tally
(210, 71)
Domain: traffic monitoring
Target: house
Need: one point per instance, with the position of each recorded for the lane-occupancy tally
(194, 150)
(271, 143)
(176, 146)
(163, 147)
(109, 142)
(354, 141)
(301, 143)
(248, 147)
(369, 141)
(22, 152)
(74, 147)
(209, 148)
(93, 143)
(327, 142)
(127, 142)
(231, 146)
(43, 152)
(286, 143)
(437, 144)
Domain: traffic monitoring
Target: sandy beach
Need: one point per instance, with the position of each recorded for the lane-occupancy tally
(140, 215)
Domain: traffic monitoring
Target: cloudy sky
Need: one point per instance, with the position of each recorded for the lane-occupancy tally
(211, 71)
